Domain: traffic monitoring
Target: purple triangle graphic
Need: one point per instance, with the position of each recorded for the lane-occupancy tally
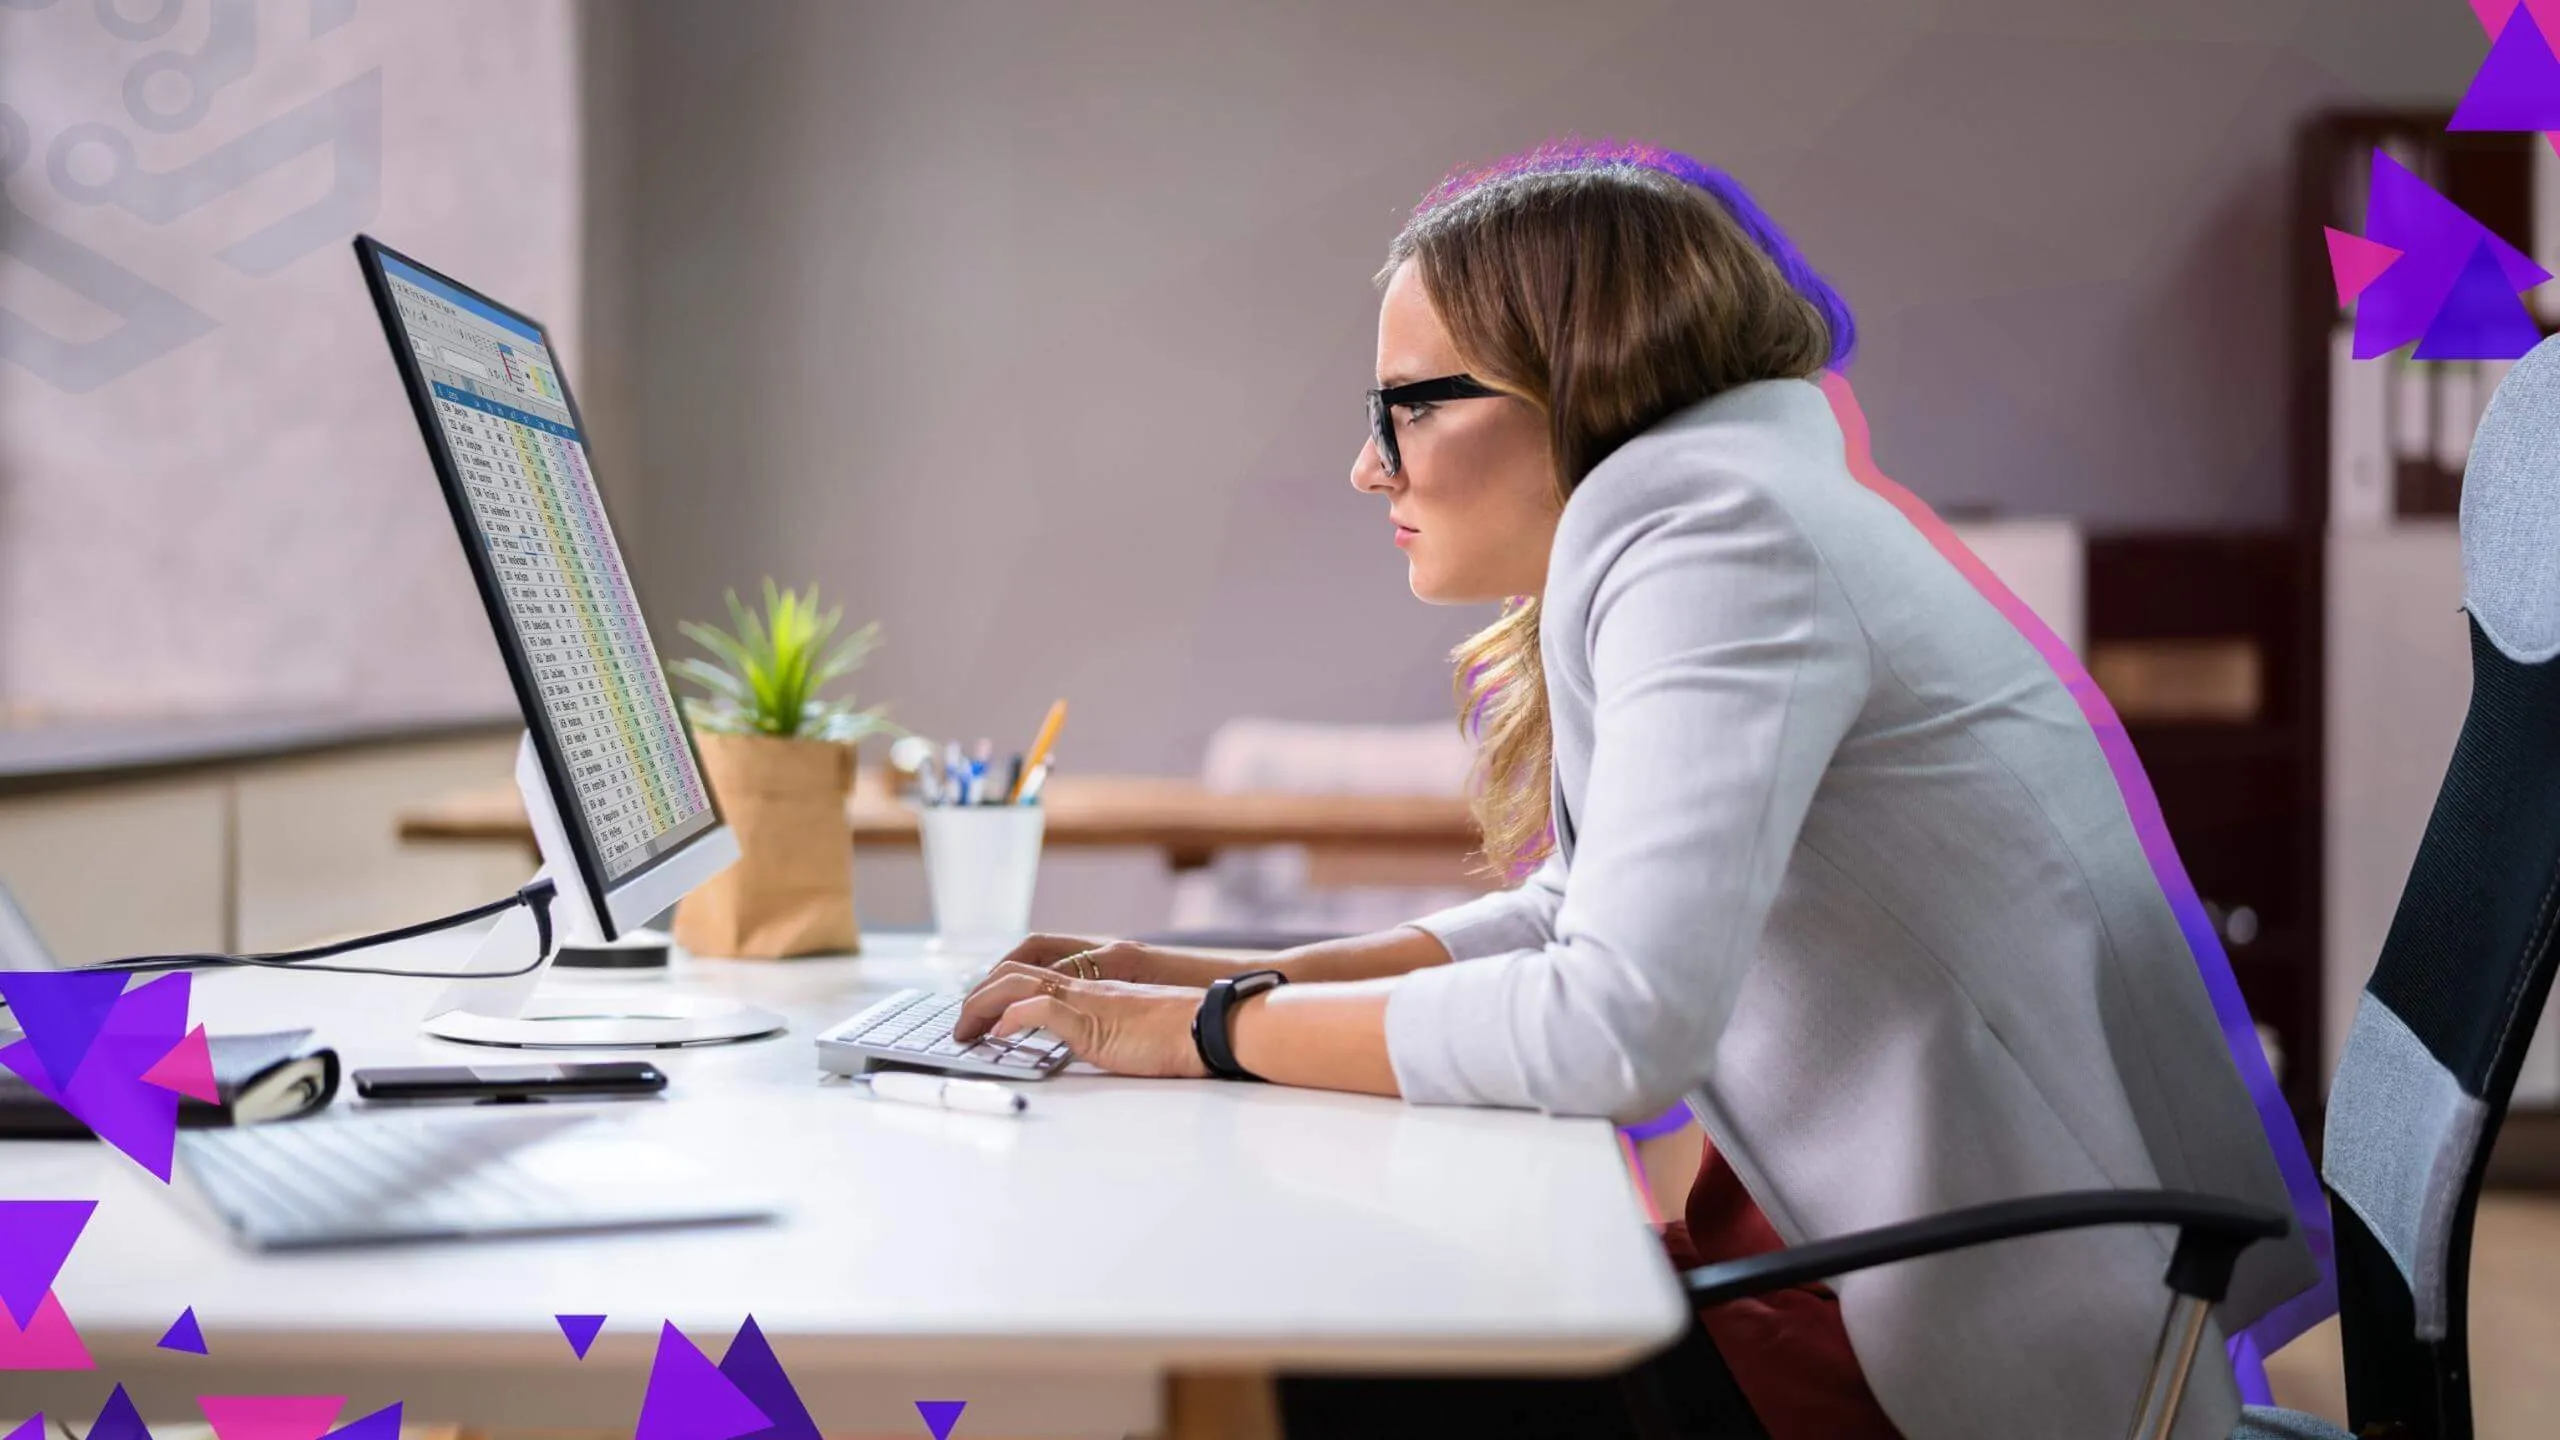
(581, 1330)
(109, 1094)
(382, 1424)
(2518, 87)
(36, 1236)
(2482, 319)
(61, 1011)
(941, 1415)
(689, 1399)
(185, 1335)
(752, 1366)
(118, 1420)
(32, 1429)
(2435, 239)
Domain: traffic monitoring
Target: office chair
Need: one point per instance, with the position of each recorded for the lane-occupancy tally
(2424, 1078)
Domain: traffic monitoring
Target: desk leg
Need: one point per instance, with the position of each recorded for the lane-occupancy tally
(1223, 1406)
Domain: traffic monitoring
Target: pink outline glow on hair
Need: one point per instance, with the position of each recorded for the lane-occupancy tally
(2239, 1034)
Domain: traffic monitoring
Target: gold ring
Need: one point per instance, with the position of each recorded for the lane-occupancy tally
(1082, 964)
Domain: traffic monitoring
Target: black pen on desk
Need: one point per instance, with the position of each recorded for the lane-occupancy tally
(1012, 783)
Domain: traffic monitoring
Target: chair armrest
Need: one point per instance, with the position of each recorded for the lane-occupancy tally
(2212, 1231)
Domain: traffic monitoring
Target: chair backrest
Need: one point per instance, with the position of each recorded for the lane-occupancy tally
(2442, 1027)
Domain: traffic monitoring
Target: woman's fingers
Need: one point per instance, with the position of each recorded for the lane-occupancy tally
(1048, 949)
(995, 993)
(1050, 1012)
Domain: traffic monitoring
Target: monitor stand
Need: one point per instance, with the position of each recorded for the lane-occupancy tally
(518, 1011)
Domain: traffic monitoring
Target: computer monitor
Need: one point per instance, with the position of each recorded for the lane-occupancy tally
(624, 820)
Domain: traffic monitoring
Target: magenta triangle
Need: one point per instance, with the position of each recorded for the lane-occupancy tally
(32, 1428)
(581, 1331)
(61, 1011)
(36, 1236)
(382, 1424)
(185, 1334)
(2481, 318)
(752, 1366)
(50, 1343)
(2354, 261)
(270, 1417)
(118, 1420)
(941, 1415)
(689, 1399)
(2518, 86)
(187, 1069)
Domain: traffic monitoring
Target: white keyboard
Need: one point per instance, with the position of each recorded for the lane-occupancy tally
(370, 1177)
(913, 1027)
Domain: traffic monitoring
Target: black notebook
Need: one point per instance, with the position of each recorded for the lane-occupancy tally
(272, 1076)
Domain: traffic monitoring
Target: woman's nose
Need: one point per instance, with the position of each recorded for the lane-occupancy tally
(1369, 473)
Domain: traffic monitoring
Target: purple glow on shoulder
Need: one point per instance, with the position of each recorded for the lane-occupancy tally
(2239, 1034)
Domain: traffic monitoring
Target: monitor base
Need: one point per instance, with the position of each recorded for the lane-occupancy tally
(574, 1022)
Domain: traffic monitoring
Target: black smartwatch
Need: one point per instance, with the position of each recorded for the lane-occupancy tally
(1209, 1023)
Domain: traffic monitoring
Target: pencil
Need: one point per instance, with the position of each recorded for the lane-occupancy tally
(1040, 747)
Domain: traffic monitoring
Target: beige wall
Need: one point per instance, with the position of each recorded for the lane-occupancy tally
(247, 520)
(1037, 331)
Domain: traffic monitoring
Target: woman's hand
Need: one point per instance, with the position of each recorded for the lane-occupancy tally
(1127, 960)
(1126, 1028)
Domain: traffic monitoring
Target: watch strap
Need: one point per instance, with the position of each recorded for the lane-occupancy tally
(1209, 1033)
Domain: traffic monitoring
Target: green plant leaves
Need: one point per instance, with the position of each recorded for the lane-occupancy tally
(766, 671)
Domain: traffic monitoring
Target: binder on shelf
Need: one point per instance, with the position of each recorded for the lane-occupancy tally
(2545, 297)
(2458, 401)
(2360, 460)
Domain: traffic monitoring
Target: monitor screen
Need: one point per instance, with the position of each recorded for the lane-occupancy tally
(551, 572)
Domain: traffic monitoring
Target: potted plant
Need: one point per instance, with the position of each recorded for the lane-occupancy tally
(780, 758)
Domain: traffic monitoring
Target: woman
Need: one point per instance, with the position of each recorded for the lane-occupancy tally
(1821, 842)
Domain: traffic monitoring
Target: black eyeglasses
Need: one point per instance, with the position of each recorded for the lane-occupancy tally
(1382, 403)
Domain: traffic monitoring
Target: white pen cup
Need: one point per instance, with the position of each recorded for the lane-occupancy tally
(980, 864)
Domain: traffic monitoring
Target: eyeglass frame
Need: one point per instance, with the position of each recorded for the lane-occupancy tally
(1382, 403)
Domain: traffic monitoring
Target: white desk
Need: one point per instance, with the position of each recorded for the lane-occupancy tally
(1050, 1270)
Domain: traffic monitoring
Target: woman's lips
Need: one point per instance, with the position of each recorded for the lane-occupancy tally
(1404, 535)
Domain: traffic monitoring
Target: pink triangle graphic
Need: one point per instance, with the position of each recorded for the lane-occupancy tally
(2494, 15)
(48, 1342)
(188, 1067)
(271, 1417)
(2354, 262)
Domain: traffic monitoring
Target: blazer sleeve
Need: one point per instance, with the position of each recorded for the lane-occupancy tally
(1520, 918)
(1725, 668)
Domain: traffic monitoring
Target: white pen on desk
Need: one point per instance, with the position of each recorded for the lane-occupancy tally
(915, 1087)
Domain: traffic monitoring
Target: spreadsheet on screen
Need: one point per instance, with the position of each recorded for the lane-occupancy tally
(523, 469)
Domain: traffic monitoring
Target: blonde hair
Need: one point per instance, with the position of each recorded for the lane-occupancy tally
(1609, 286)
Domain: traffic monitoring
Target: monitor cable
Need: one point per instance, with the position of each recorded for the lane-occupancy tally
(536, 896)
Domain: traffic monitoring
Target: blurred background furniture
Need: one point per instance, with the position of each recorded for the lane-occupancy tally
(1270, 896)
(236, 832)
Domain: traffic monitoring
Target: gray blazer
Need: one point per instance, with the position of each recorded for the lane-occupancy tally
(1840, 860)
